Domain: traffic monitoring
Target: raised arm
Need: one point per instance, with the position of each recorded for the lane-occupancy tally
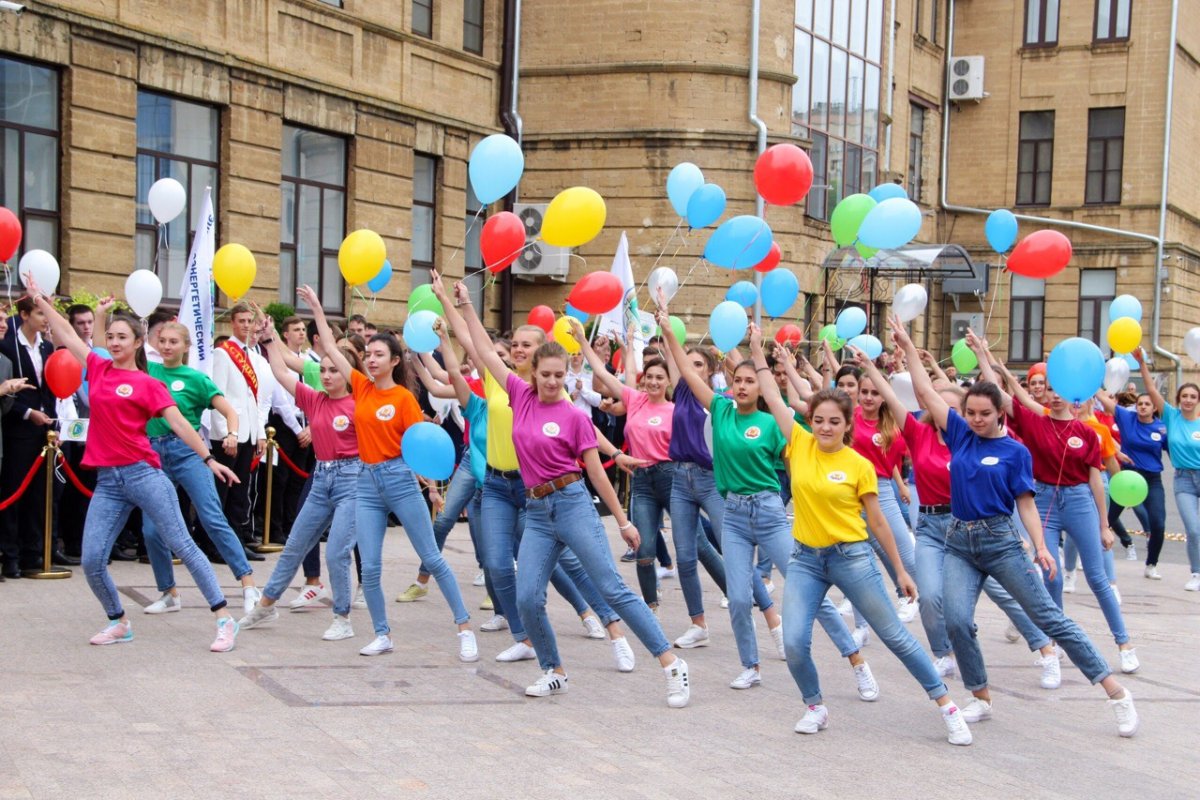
(930, 362)
(436, 371)
(1148, 379)
(64, 334)
(340, 361)
(1107, 402)
(767, 388)
(287, 379)
(922, 385)
(884, 387)
(700, 387)
(462, 392)
(434, 386)
(830, 361)
(458, 325)
(485, 354)
(599, 373)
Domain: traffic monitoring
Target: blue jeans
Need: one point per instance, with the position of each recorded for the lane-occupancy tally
(118, 491)
(650, 496)
(851, 567)
(759, 520)
(992, 548)
(392, 486)
(1187, 496)
(568, 519)
(693, 489)
(462, 493)
(889, 504)
(1152, 514)
(1073, 509)
(185, 468)
(330, 505)
(931, 553)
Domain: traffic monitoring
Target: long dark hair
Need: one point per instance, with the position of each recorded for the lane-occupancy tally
(139, 336)
(761, 404)
(400, 371)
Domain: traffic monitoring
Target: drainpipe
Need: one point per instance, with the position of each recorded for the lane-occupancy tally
(752, 113)
(510, 68)
(1160, 269)
(891, 80)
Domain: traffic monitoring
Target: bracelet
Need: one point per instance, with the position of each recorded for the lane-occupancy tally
(763, 369)
(208, 458)
(234, 434)
(626, 526)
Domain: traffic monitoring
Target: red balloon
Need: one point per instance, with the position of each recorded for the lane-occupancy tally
(64, 374)
(771, 261)
(502, 240)
(789, 334)
(783, 174)
(597, 293)
(618, 360)
(1041, 254)
(10, 234)
(542, 316)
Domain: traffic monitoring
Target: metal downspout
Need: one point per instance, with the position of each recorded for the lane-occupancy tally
(1160, 269)
(513, 126)
(752, 113)
(891, 81)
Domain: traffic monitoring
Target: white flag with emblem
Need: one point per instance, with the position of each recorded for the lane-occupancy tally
(196, 294)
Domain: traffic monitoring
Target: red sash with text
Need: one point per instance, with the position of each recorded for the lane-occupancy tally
(240, 360)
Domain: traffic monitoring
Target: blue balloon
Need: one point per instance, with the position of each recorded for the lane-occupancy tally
(739, 243)
(1001, 229)
(890, 224)
(1075, 369)
(428, 450)
(706, 206)
(496, 166)
(727, 325)
(1125, 305)
(744, 293)
(851, 322)
(572, 311)
(101, 351)
(779, 291)
(684, 179)
(419, 334)
(1134, 366)
(886, 191)
(377, 283)
(872, 348)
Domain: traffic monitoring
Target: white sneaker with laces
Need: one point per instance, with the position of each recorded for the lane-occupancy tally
(548, 684)
(861, 636)
(957, 732)
(468, 648)
(1129, 661)
(664, 573)
(868, 687)
(906, 610)
(1152, 573)
(1069, 582)
(977, 710)
(845, 608)
(496, 623)
(164, 605)
(479, 579)
(250, 596)
(592, 629)
(777, 636)
(259, 615)
(518, 652)
(309, 596)
(360, 600)
(725, 601)
(1127, 716)
(1012, 634)
(623, 654)
(1051, 671)
(340, 629)
(748, 678)
(1131, 553)
(1194, 584)
(816, 718)
(227, 631)
(679, 688)
(694, 636)
(945, 666)
(382, 644)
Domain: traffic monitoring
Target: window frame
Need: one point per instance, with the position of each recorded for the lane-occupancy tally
(421, 269)
(1035, 171)
(1113, 8)
(1104, 170)
(915, 182)
(428, 6)
(1097, 307)
(1023, 335)
(1043, 15)
(468, 25)
(324, 251)
(23, 214)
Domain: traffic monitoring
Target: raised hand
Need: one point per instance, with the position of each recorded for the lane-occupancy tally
(462, 295)
(309, 296)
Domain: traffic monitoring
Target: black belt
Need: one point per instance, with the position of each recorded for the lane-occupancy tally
(934, 510)
(508, 475)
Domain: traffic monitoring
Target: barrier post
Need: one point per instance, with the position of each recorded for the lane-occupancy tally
(269, 457)
(48, 570)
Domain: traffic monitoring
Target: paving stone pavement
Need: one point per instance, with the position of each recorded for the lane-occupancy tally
(287, 715)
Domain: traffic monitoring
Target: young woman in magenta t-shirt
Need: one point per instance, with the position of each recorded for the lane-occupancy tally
(123, 398)
(550, 436)
(991, 476)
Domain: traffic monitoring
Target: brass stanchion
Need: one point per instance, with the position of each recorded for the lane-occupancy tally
(48, 570)
(269, 457)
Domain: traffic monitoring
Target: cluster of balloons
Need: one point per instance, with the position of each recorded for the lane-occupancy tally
(699, 203)
(882, 219)
(1125, 329)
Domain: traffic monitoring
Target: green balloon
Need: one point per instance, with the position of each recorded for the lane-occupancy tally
(422, 298)
(864, 251)
(678, 328)
(829, 334)
(1127, 488)
(963, 357)
(847, 216)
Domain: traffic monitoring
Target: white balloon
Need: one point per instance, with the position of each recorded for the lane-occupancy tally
(43, 267)
(143, 292)
(1191, 343)
(902, 385)
(663, 278)
(166, 199)
(910, 301)
(1116, 374)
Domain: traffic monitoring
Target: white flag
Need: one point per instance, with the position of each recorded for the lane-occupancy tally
(196, 295)
(618, 321)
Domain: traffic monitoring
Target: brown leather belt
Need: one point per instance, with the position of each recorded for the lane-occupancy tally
(550, 487)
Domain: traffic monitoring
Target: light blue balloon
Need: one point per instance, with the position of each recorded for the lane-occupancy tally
(428, 450)
(419, 334)
(1075, 369)
(1125, 305)
(886, 191)
(1134, 366)
(779, 291)
(739, 243)
(377, 283)
(683, 181)
(1001, 230)
(496, 166)
(727, 325)
(851, 322)
(872, 348)
(744, 293)
(706, 206)
(572, 311)
(890, 224)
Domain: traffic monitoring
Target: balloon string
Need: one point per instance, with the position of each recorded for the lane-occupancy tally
(514, 254)
(687, 277)
(163, 247)
(462, 244)
(666, 244)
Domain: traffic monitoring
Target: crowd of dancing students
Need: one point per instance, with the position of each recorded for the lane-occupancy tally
(1000, 475)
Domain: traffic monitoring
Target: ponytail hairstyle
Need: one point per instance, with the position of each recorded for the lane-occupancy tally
(139, 336)
(399, 372)
(844, 404)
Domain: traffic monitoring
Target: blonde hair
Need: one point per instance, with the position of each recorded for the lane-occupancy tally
(182, 329)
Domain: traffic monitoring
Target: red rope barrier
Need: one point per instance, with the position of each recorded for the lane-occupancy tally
(83, 490)
(290, 464)
(24, 484)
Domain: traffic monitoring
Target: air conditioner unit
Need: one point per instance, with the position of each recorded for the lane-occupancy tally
(960, 321)
(965, 81)
(539, 259)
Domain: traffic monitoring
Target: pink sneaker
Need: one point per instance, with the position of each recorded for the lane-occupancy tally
(227, 631)
(116, 633)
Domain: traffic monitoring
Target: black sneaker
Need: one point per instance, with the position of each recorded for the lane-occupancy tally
(630, 555)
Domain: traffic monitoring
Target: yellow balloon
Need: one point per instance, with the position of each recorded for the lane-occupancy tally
(234, 270)
(574, 217)
(1124, 335)
(562, 334)
(361, 256)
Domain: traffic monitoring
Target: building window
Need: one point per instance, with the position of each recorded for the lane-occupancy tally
(1106, 145)
(1112, 20)
(935, 13)
(422, 17)
(424, 216)
(334, 3)
(916, 149)
(175, 139)
(1027, 311)
(918, 12)
(1035, 158)
(313, 219)
(473, 26)
(1041, 23)
(472, 255)
(835, 101)
(1097, 288)
(29, 123)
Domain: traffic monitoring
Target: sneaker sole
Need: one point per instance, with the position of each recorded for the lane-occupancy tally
(808, 732)
(337, 638)
(112, 641)
(745, 686)
(692, 645)
(550, 693)
(156, 611)
(375, 652)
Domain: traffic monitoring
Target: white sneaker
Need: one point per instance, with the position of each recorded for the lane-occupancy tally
(1131, 553)
(861, 636)
(868, 687)
(496, 623)
(360, 600)
(548, 684)
(164, 605)
(664, 573)
(250, 596)
(479, 579)
(518, 652)
(694, 636)
(725, 600)
(845, 608)
(1012, 634)
(309, 596)
(1127, 717)
(1116, 592)
(1069, 582)
(468, 648)
(1152, 573)
(340, 629)
(816, 718)
(679, 688)
(977, 710)
(382, 644)
(1194, 584)
(777, 636)
(259, 615)
(1051, 671)
(748, 678)
(1129, 661)
(592, 628)
(906, 610)
(623, 654)
(957, 732)
(945, 666)
(770, 587)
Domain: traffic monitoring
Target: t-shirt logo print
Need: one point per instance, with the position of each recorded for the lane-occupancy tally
(753, 432)
(124, 390)
(1074, 443)
(655, 421)
(341, 422)
(990, 461)
(385, 413)
(1156, 437)
(877, 440)
(836, 477)
(550, 429)
(1196, 435)
(176, 386)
